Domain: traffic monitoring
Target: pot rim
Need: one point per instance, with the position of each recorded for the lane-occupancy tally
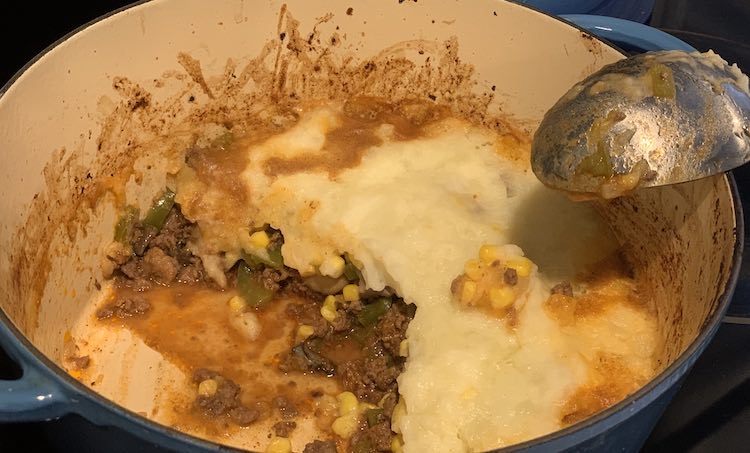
(28, 355)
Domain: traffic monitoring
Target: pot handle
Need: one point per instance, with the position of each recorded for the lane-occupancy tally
(35, 396)
(628, 34)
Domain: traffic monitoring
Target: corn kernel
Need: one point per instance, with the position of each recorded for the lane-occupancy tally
(260, 239)
(330, 302)
(328, 310)
(396, 445)
(345, 425)
(332, 267)
(488, 254)
(279, 445)
(328, 314)
(473, 269)
(501, 297)
(347, 402)
(303, 332)
(208, 387)
(403, 348)
(237, 304)
(521, 265)
(468, 291)
(351, 293)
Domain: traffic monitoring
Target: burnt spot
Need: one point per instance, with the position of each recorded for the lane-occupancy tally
(349, 11)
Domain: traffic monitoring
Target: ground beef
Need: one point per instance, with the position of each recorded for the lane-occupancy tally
(124, 307)
(391, 328)
(564, 288)
(141, 236)
(243, 415)
(510, 276)
(286, 408)
(373, 438)
(320, 446)
(284, 428)
(161, 257)
(160, 267)
(371, 377)
(270, 278)
(226, 400)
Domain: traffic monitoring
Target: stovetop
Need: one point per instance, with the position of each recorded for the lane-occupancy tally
(711, 412)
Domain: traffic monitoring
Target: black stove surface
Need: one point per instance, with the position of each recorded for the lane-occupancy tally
(711, 412)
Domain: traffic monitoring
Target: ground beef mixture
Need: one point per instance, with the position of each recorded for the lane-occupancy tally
(366, 359)
(160, 256)
(224, 401)
(360, 347)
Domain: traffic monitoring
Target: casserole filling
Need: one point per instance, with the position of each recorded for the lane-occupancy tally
(374, 276)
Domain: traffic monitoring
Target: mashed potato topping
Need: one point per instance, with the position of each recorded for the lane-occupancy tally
(410, 211)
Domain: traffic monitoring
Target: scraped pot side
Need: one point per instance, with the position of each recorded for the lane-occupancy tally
(45, 289)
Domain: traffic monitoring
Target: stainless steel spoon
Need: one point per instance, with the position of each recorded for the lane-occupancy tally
(649, 120)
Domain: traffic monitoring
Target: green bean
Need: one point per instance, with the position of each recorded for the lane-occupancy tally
(250, 288)
(274, 260)
(125, 224)
(157, 215)
(350, 271)
(373, 416)
(371, 313)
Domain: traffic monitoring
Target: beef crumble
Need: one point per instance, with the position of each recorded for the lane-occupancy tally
(160, 256)
(124, 308)
(223, 400)
(320, 446)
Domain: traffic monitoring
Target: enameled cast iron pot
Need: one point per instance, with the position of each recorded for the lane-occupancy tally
(683, 238)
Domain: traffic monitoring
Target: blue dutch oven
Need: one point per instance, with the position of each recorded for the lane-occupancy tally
(45, 392)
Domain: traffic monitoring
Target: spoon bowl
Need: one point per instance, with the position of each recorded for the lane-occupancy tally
(652, 119)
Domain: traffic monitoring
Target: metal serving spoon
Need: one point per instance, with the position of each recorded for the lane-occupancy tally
(652, 119)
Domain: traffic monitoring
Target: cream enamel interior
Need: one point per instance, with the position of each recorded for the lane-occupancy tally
(682, 237)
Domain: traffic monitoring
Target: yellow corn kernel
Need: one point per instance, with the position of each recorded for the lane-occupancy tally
(520, 264)
(208, 387)
(502, 297)
(332, 267)
(488, 254)
(279, 445)
(328, 310)
(468, 291)
(403, 348)
(347, 402)
(473, 269)
(396, 445)
(237, 304)
(303, 332)
(328, 314)
(260, 239)
(351, 293)
(345, 425)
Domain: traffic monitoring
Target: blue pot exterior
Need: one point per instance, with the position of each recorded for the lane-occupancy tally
(47, 392)
(635, 10)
